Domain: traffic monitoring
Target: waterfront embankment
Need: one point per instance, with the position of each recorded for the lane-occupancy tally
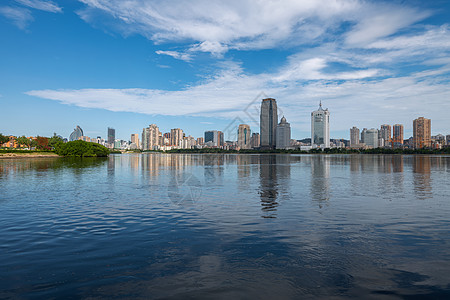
(28, 155)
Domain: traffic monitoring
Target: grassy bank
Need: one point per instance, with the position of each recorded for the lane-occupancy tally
(26, 154)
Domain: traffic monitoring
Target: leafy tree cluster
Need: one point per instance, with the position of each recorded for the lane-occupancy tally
(81, 149)
(23, 140)
(42, 143)
(3, 139)
(54, 140)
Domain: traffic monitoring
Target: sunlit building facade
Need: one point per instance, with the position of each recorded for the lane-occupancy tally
(176, 136)
(397, 134)
(150, 137)
(244, 136)
(422, 133)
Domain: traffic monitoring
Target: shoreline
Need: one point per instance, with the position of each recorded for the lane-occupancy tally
(27, 155)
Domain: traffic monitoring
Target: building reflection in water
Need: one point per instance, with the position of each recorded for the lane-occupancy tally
(268, 185)
(213, 167)
(422, 176)
(244, 170)
(320, 179)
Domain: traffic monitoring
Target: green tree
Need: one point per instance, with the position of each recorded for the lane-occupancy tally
(3, 139)
(81, 149)
(54, 140)
(22, 140)
(28, 142)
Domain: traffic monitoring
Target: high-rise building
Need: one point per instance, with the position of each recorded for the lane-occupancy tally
(283, 134)
(447, 140)
(397, 136)
(244, 136)
(354, 136)
(268, 123)
(363, 133)
(385, 134)
(135, 139)
(255, 140)
(200, 141)
(370, 137)
(320, 128)
(176, 135)
(422, 132)
(220, 139)
(150, 137)
(76, 134)
(188, 142)
(117, 144)
(212, 137)
(111, 136)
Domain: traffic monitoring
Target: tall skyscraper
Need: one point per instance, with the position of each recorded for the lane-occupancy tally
(176, 135)
(76, 134)
(244, 136)
(255, 140)
(150, 137)
(212, 137)
(422, 132)
(320, 128)
(220, 138)
(283, 134)
(354, 136)
(135, 139)
(268, 123)
(397, 137)
(111, 136)
(385, 134)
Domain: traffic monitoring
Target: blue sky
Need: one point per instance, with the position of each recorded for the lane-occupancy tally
(201, 65)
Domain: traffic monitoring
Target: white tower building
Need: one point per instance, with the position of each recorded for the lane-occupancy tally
(320, 128)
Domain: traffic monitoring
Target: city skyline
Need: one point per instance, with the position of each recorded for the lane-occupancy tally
(97, 64)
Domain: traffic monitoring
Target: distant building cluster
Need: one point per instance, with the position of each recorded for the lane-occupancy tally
(273, 134)
(387, 138)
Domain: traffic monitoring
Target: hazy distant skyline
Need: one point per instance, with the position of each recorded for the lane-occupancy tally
(196, 65)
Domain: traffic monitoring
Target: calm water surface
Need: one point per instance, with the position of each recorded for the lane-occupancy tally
(186, 226)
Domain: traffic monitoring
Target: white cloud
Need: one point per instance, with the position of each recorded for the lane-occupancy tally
(41, 5)
(217, 26)
(380, 21)
(435, 37)
(176, 55)
(20, 17)
(312, 69)
(226, 95)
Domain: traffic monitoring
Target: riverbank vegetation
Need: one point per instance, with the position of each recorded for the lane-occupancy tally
(81, 149)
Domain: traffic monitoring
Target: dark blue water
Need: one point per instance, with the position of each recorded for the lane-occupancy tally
(225, 227)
